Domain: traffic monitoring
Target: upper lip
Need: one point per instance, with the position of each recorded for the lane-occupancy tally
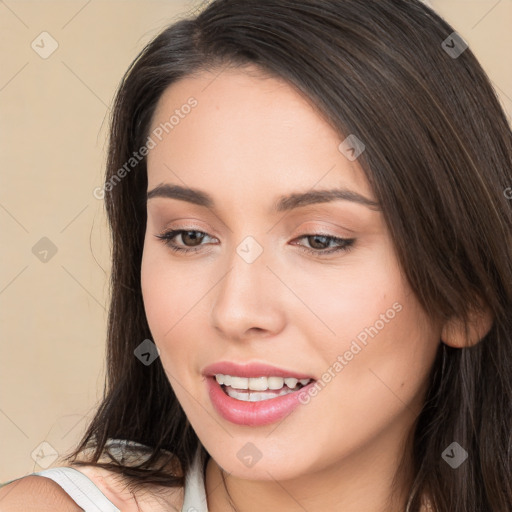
(251, 370)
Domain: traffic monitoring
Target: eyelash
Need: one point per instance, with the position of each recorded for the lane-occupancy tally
(346, 243)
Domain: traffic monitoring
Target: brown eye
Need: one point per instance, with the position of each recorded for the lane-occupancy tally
(191, 236)
(319, 244)
(318, 241)
(191, 239)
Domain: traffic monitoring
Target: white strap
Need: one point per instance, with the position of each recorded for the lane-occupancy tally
(194, 494)
(80, 488)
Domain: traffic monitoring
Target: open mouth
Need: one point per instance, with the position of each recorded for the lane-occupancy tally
(256, 401)
(259, 388)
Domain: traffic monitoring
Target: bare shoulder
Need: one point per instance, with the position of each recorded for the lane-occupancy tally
(114, 487)
(35, 494)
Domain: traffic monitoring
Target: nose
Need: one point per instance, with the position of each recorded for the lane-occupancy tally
(248, 301)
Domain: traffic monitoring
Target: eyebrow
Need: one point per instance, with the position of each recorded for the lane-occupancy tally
(283, 203)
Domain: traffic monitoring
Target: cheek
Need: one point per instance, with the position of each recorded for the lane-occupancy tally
(380, 343)
(172, 300)
(168, 293)
(386, 357)
(352, 299)
(157, 295)
(165, 302)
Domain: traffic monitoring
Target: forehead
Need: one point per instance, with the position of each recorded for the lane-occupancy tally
(246, 130)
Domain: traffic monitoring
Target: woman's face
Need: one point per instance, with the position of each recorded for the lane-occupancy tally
(342, 313)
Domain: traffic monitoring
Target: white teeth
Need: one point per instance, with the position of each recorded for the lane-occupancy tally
(259, 383)
(275, 382)
(238, 382)
(256, 396)
(291, 382)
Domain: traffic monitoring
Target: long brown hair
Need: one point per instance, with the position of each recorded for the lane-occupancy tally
(438, 158)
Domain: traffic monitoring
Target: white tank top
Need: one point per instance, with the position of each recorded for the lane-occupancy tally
(89, 498)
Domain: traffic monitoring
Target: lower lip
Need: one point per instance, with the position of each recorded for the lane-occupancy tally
(253, 414)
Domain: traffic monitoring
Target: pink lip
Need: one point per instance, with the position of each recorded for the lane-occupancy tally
(253, 414)
(251, 370)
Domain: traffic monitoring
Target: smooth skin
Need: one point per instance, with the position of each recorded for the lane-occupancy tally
(39, 494)
(250, 140)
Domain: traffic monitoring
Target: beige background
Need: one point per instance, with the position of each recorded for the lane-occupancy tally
(53, 128)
